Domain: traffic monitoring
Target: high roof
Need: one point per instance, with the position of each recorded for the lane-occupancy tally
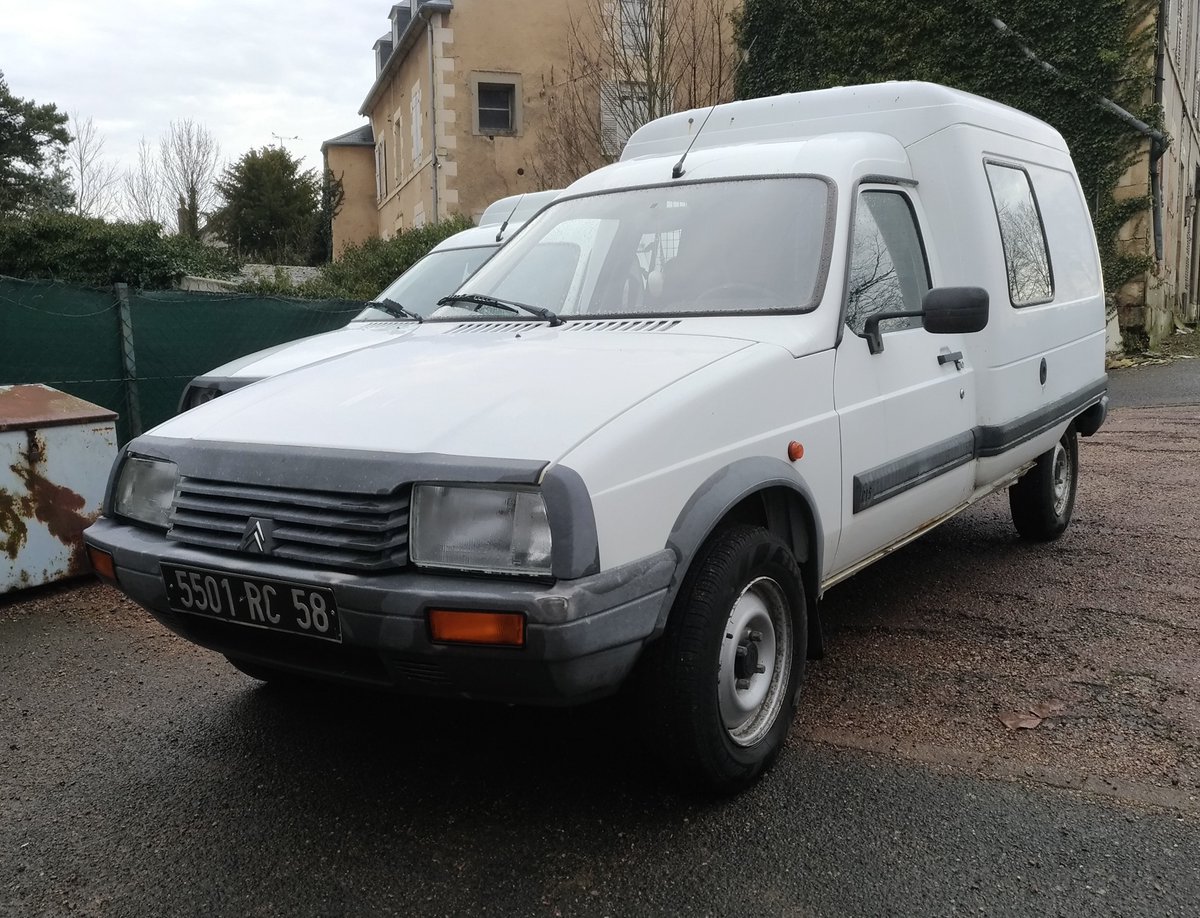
(907, 111)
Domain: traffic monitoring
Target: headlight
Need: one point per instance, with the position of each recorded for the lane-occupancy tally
(145, 489)
(497, 530)
(198, 395)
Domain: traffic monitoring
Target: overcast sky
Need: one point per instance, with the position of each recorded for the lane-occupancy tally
(243, 68)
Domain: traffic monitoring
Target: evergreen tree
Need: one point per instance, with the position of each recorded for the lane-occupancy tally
(270, 206)
(33, 141)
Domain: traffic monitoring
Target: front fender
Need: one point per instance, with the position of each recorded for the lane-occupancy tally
(795, 520)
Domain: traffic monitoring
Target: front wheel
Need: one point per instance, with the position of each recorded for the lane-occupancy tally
(1043, 500)
(719, 691)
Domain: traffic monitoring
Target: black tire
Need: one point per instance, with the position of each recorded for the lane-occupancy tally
(1042, 501)
(689, 700)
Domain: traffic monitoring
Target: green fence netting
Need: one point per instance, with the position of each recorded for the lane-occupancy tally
(71, 338)
(66, 337)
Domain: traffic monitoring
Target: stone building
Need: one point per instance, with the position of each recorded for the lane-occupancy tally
(1166, 231)
(453, 113)
(470, 95)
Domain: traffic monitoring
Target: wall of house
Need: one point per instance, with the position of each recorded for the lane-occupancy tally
(1170, 292)
(502, 40)
(1174, 290)
(357, 220)
(407, 199)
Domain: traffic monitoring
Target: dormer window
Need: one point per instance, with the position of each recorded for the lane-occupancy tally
(383, 50)
(401, 16)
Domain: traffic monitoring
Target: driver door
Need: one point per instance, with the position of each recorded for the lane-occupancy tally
(907, 413)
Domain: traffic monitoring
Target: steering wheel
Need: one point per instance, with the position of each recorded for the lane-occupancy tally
(762, 294)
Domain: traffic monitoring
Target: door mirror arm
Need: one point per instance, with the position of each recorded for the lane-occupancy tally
(871, 329)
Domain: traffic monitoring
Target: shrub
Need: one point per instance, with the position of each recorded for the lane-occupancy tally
(95, 253)
(366, 269)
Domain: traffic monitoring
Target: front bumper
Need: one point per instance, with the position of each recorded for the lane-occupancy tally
(582, 636)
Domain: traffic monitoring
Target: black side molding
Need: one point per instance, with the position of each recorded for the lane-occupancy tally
(1088, 407)
(998, 438)
(878, 484)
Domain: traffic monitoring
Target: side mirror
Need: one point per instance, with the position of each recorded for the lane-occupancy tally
(944, 311)
(955, 310)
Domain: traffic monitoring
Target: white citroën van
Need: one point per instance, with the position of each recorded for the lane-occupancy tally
(777, 340)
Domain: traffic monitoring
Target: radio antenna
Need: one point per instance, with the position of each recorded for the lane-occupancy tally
(677, 169)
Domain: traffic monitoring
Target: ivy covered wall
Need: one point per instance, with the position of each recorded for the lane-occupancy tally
(1101, 48)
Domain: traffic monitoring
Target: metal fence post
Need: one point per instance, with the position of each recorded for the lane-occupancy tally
(129, 362)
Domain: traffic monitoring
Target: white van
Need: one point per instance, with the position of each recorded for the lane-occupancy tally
(418, 290)
(781, 338)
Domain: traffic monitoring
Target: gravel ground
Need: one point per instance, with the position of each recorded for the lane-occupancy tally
(930, 647)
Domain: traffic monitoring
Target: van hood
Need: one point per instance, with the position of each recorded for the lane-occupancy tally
(293, 354)
(523, 392)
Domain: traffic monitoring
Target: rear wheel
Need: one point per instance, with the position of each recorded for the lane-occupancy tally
(1043, 500)
(719, 691)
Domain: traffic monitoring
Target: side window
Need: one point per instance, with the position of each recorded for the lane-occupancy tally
(1026, 256)
(888, 272)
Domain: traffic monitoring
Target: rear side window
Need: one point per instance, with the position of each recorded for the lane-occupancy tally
(1026, 256)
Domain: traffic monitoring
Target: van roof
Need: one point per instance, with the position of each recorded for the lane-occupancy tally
(906, 111)
(516, 208)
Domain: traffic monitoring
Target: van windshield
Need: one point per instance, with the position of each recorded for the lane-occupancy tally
(752, 245)
(420, 287)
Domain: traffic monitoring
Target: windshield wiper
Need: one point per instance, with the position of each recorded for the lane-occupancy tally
(507, 305)
(392, 308)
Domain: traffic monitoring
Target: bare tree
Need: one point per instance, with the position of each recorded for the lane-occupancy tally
(145, 196)
(629, 62)
(95, 178)
(189, 158)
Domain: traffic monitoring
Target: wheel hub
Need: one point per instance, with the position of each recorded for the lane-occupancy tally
(755, 661)
(1061, 479)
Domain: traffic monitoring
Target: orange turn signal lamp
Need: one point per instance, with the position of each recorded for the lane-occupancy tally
(102, 563)
(497, 629)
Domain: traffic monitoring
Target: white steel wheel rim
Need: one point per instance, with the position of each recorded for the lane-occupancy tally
(755, 661)
(1062, 478)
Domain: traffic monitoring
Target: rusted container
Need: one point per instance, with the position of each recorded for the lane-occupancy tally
(55, 454)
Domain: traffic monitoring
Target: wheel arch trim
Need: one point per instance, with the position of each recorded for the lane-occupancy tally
(717, 497)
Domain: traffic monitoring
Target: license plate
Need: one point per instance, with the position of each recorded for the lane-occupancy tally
(277, 605)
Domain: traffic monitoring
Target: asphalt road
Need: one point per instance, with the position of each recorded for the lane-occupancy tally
(1162, 385)
(141, 776)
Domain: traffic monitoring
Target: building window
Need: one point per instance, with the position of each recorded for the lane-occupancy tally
(415, 111)
(497, 108)
(1026, 255)
(380, 171)
(634, 25)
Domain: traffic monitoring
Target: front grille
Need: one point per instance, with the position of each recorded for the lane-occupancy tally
(323, 528)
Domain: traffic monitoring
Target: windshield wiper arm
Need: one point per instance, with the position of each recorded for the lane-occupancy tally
(392, 308)
(507, 305)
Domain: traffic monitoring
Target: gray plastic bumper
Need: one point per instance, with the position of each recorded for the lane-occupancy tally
(582, 636)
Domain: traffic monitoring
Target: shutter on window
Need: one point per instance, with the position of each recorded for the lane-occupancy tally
(612, 132)
(416, 124)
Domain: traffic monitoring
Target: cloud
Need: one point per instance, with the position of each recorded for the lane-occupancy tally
(246, 69)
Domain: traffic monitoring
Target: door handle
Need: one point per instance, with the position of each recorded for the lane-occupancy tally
(954, 357)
